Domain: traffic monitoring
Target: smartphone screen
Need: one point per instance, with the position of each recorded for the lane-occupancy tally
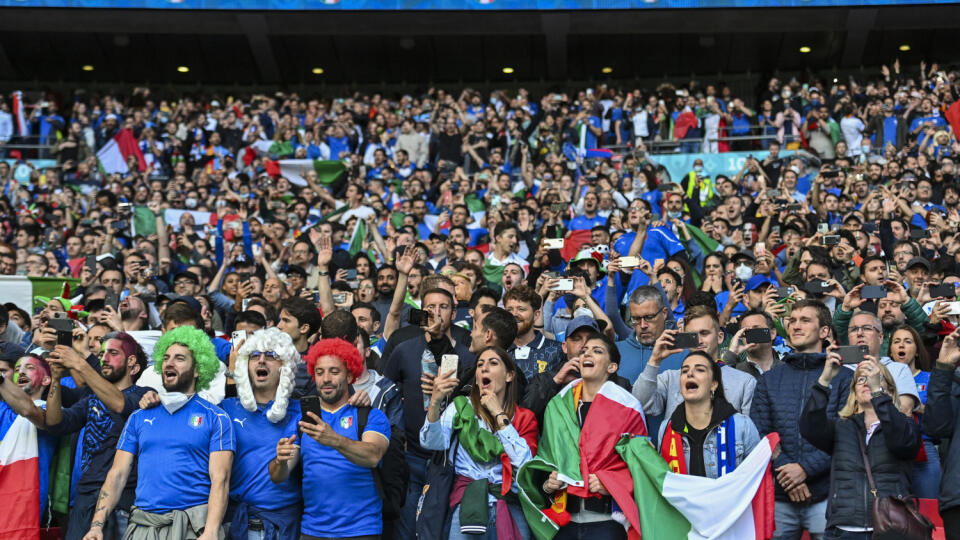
(686, 340)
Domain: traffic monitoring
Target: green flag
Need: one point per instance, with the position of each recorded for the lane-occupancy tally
(281, 149)
(144, 221)
(359, 234)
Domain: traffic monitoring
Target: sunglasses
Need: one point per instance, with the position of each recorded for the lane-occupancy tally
(269, 355)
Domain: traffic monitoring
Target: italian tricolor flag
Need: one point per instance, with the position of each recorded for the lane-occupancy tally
(20, 481)
(577, 453)
(113, 156)
(295, 170)
(671, 506)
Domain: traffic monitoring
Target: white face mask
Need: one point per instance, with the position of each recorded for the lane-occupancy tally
(743, 272)
(582, 312)
(173, 401)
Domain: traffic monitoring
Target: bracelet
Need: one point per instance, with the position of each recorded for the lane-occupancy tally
(323, 273)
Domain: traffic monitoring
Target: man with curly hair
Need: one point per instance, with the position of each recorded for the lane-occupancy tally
(262, 413)
(340, 498)
(184, 450)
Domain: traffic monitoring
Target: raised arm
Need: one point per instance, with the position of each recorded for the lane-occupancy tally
(404, 265)
(324, 255)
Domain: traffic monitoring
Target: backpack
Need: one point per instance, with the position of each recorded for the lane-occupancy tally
(393, 474)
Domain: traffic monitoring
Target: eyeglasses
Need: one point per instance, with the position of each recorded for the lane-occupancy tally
(649, 318)
(269, 355)
(865, 328)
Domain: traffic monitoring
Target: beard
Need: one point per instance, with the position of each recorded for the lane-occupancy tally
(334, 397)
(524, 326)
(113, 375)
(181, 384)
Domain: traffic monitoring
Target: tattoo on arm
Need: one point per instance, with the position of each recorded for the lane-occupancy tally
(97, 523)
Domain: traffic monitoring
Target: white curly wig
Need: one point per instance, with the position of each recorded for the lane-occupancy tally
(267, 339)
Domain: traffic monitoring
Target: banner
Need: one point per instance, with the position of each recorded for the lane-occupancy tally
(726, 163)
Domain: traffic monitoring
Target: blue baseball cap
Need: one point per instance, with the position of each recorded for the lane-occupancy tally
(756, 282)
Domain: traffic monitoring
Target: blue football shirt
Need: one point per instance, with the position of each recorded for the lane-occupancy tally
(173, 450)
(256, 440)
(339, 497)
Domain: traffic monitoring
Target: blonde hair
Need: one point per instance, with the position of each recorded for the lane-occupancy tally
(852, 406)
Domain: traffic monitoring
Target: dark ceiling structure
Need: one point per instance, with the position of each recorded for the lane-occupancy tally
(290, 49)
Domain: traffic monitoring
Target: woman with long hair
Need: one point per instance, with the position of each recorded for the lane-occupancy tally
(493, 438)
(714, 265)
(907, 347)
(868, 423)
(562, 490)
(706, 436)
(682, 268)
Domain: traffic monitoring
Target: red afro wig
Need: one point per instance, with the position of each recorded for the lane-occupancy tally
(343, 350)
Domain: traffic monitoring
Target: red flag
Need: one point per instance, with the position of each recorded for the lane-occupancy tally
(129, 147)
(574, 241)
(953, 116)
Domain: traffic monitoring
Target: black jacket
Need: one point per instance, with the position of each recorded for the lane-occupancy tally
(940, 421)
(892, 449)
(778, 402)
(404, 367)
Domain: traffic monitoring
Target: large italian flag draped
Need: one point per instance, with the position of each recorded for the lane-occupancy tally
(294, 170)
(20, 481)
(577, 453)
(671, 506)
(113, 156)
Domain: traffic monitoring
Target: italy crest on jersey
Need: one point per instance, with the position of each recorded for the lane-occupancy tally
(346, 422)
(195, 421)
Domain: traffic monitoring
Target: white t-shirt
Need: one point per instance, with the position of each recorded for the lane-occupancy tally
(852, 128)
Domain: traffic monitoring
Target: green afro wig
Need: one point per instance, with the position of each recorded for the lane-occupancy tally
(205, 360)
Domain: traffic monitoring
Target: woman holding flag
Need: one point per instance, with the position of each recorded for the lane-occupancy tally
(578, 486)
(492, 438)
(707, 436)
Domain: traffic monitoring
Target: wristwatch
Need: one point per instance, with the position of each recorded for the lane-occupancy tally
(878, 392)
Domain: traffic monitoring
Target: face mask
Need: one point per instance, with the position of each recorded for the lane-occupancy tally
(582, 312)
(190, 202)
(698, 168)
(786, 94)
(743, 272)
(674, 215)
(173, 401)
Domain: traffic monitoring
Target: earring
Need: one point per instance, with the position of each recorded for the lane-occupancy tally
(711, 393)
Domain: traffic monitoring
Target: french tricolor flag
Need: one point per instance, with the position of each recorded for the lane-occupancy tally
(20, 481)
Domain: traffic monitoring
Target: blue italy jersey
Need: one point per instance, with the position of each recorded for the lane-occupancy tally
(580, 223)
(339, 497)
(256, 440)
(173, 451)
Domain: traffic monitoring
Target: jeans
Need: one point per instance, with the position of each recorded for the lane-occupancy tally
(81, 514)
(834, 533)
(605, 530)
(406, 526)
(793, 518)
(925, 476)
(251, 535)
(491, 533)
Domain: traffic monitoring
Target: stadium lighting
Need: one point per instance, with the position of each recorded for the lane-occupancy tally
(317, 71)
(606, 70)
(804, 49)
(508, 70)
(87, 67)
(183, 69)
(905, 47)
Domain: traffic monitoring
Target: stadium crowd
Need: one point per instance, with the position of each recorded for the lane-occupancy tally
(392, 317)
